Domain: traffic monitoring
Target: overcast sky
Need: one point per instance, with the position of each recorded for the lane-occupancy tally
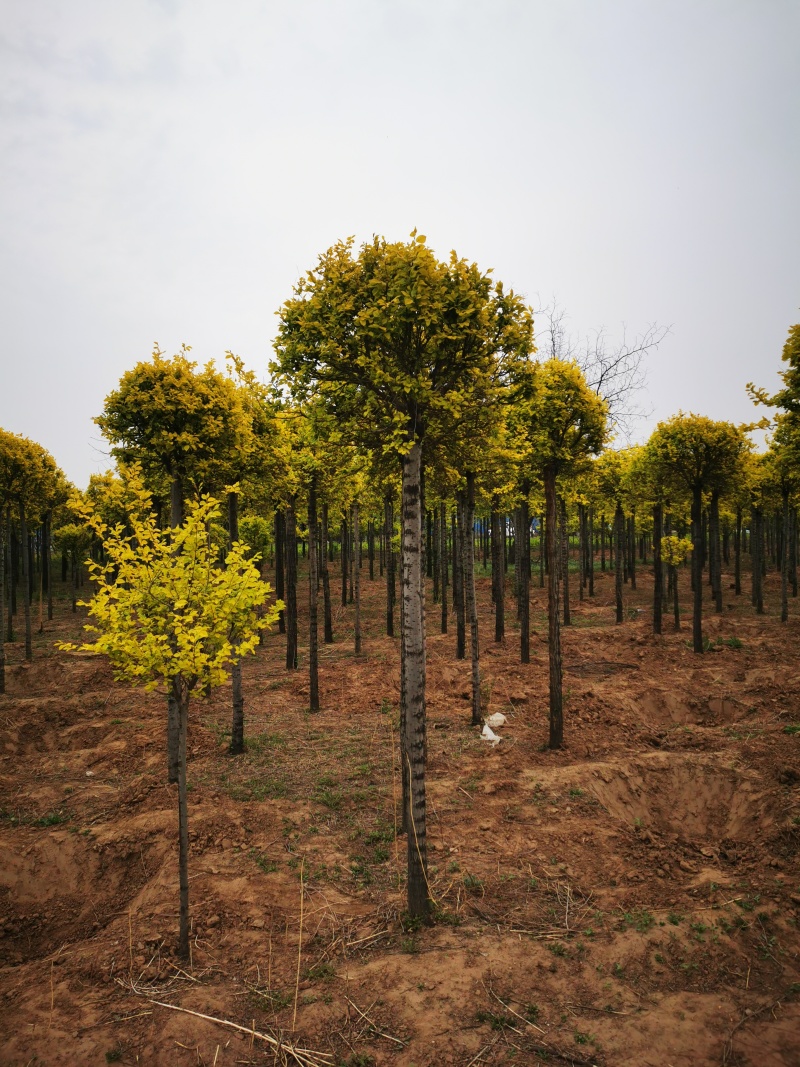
(168, 169)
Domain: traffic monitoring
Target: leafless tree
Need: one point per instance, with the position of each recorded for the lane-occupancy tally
(617, 371)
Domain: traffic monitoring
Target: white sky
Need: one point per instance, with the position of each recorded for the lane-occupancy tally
(168, 169)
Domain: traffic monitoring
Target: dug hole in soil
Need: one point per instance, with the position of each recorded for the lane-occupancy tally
(630, 900)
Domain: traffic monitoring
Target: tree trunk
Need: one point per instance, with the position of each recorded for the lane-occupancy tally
(291, 586)
(619, 528)
(345, 561)
(180, 696)
(602, 542)
(553, 625)
(632, 549)
(357, 578)
(313, 598)
(697, 569)
(173, 709)
(326, 578)
(443, 562)
(280, 565)
(472, 607)
(498, 580)
(26, 586)
(522, 543)
(581, 550)
(784, 560)
(676, 608)
(47, 562)
(458, 580)
(658, 573)
(414, 688)
(2, 605)
(737, 554)
(716, 551)
(237, 722)
(564, 558)
(388, 521)
(590, 560)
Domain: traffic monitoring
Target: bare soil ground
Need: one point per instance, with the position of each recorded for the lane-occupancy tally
(630, 900)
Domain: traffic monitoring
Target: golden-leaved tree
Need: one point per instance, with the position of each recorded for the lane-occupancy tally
(401, 347)
(168, 617)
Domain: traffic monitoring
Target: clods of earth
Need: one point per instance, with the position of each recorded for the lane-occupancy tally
(631, 900)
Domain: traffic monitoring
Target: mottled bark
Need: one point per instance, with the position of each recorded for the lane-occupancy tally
(414, 688)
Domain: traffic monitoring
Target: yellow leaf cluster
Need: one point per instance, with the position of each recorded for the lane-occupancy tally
(163, 605)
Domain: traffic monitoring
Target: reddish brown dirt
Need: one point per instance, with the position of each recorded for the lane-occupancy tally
(630, 900)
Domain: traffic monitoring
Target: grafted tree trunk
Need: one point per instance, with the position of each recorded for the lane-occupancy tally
(553, 625)
(313, 598)
(414, 684)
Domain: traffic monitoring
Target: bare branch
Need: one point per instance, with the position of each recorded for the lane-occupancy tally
(615, 372)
